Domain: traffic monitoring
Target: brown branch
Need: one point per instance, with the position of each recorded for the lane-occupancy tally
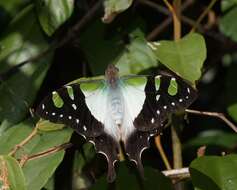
(45, 153)
(204, 13)
(214, 114)
(162, 152)
(25, 141)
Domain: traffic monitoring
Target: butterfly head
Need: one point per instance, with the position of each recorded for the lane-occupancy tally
(112, 75)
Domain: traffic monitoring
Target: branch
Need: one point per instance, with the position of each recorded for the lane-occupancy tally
(25, 141)
(181, 173)
(45, 153)
(204, 13)
(162, 152)
(214, 114)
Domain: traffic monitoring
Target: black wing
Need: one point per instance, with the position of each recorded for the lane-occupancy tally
(159, 103)
(73, 112)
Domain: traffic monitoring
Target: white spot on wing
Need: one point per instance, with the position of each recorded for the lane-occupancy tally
(53, 113)
(173, 79)
(172, 103)
(186, 97)
(74, 106)
(157, 97)
(54, 92)
(152, 120)
(84, 128)
(77, 121)
(158, 112)
(69, 117)
(165, 107)
(46, 113)
(188, 90)
(61, 115)
(43, 106)
(180, 100)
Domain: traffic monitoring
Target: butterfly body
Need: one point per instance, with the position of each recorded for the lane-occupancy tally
(117, 108)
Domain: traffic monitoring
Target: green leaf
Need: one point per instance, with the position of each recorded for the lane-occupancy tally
(22, 40)
(38, 171)
(11, 174)
(214, 172)
(45, 125)
(213, 138)
(228, 24)
(52, 14)
(99, 51)
(126, 177)
(227, 4)
(113, 7)
(137, 56)
(184, 57)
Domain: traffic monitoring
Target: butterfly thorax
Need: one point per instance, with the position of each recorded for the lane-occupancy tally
(112, 75)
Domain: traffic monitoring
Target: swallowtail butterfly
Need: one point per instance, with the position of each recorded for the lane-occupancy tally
(114, 109)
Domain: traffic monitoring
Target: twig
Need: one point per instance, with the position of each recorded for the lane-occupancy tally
(25, 141)
(162, 152)
(204, 13)
(214, 114)
(44, 153)
(56, 44)
(181, 173)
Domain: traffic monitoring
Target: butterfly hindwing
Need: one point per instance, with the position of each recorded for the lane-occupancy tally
(165, 94)
(68, 106)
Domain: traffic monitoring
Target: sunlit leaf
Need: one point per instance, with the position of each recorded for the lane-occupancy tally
(22, 40)
(53, 14)
(11, 175)
(184, 57)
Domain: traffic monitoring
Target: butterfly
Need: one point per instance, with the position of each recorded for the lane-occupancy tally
(112, 109)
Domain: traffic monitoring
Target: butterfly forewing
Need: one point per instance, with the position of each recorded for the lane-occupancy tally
(164, 95)
(68, 106)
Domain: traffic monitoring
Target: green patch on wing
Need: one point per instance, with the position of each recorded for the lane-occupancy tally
(57, 100)
(136, 81)
(91, 86)
(157, 82)
(70, 92)
(173, 87)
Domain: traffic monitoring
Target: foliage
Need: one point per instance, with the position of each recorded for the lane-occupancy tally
(45, 44)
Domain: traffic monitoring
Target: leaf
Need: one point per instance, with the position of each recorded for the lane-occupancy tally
(114, 7)
(37, 172)
(137, 56)
(127, 178)
(213, 138)
(22, 40)
(184, 57)
(228, 24)
(11, 175)
(214, 172)
(99, 51)
(227, 4)
(52, 14)
(45, 125)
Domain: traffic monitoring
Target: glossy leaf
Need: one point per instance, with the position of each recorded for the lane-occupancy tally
(113, 7)
(214, 172)
(184, 57)
(37, 172)
(228, 23)
(52, 14)
(137, 56)
(213, 138)
(11, 174)
(21, 40)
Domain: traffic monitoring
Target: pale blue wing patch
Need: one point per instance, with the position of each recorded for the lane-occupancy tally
(133, 91)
